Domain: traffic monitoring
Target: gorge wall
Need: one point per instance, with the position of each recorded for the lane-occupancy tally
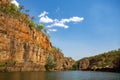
(24, 48)
(109, 61)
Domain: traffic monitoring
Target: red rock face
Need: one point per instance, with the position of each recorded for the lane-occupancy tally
(24, 47)
(20, 43)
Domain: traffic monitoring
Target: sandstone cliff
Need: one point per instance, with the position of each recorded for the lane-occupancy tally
(109, 61)
(24, 48)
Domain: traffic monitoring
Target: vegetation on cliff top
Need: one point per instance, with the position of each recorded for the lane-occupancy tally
(20, 13)
(106, 59)
(109, 59)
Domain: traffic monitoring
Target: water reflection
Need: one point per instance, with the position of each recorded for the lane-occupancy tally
(23, 76)
(68, 75)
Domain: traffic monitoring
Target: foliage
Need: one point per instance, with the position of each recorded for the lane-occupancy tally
(75, 66)
(55, 49)
(32, 24)
(107, 59)
(50, 63)
(7, 63)
(39, 26)
(10, 63)
(2, 64)
(35, 25)
(8, 9)
(11, 10)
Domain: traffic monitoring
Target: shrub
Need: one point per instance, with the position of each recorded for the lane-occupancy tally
(14, 8)
(55, 49)
(10, 63)
(75, 66)
(2, 64)
(32, 24)
(9, 10)
(39, 26)
(50, 63)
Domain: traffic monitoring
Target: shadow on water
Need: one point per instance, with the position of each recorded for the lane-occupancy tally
(64, 75)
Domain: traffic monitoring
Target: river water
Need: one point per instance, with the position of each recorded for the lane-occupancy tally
(63, 75)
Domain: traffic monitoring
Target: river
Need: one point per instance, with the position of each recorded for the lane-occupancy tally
(63, 75)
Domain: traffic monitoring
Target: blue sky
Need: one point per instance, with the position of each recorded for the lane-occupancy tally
(86, 27)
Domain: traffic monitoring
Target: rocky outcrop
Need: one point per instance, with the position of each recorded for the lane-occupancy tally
(67, 63)
(24, 48)
(84, 64)
(109, 61)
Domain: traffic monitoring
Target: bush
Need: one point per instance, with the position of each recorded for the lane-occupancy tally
(39, 26)
(14, 8)
(2, 64)
(32, 24)
(55, 49)
(75, 66)
(10, 63)
(50, 63)
(9, 9)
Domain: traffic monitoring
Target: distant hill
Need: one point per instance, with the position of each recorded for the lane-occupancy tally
(108, 61)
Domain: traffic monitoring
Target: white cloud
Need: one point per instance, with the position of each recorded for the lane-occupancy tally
(65, 20)
(43, 14)
(76, 19)
(45, 19)
(62, 22)
(56, 22)
(59, 24)
(15, 2)
(73, 19)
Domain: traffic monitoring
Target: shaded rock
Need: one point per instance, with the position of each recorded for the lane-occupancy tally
(84, 64)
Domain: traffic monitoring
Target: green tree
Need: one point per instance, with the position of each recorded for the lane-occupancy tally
(14, 8)
(40, 26)
(50, 63)
(32, 24)
(75, 66)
